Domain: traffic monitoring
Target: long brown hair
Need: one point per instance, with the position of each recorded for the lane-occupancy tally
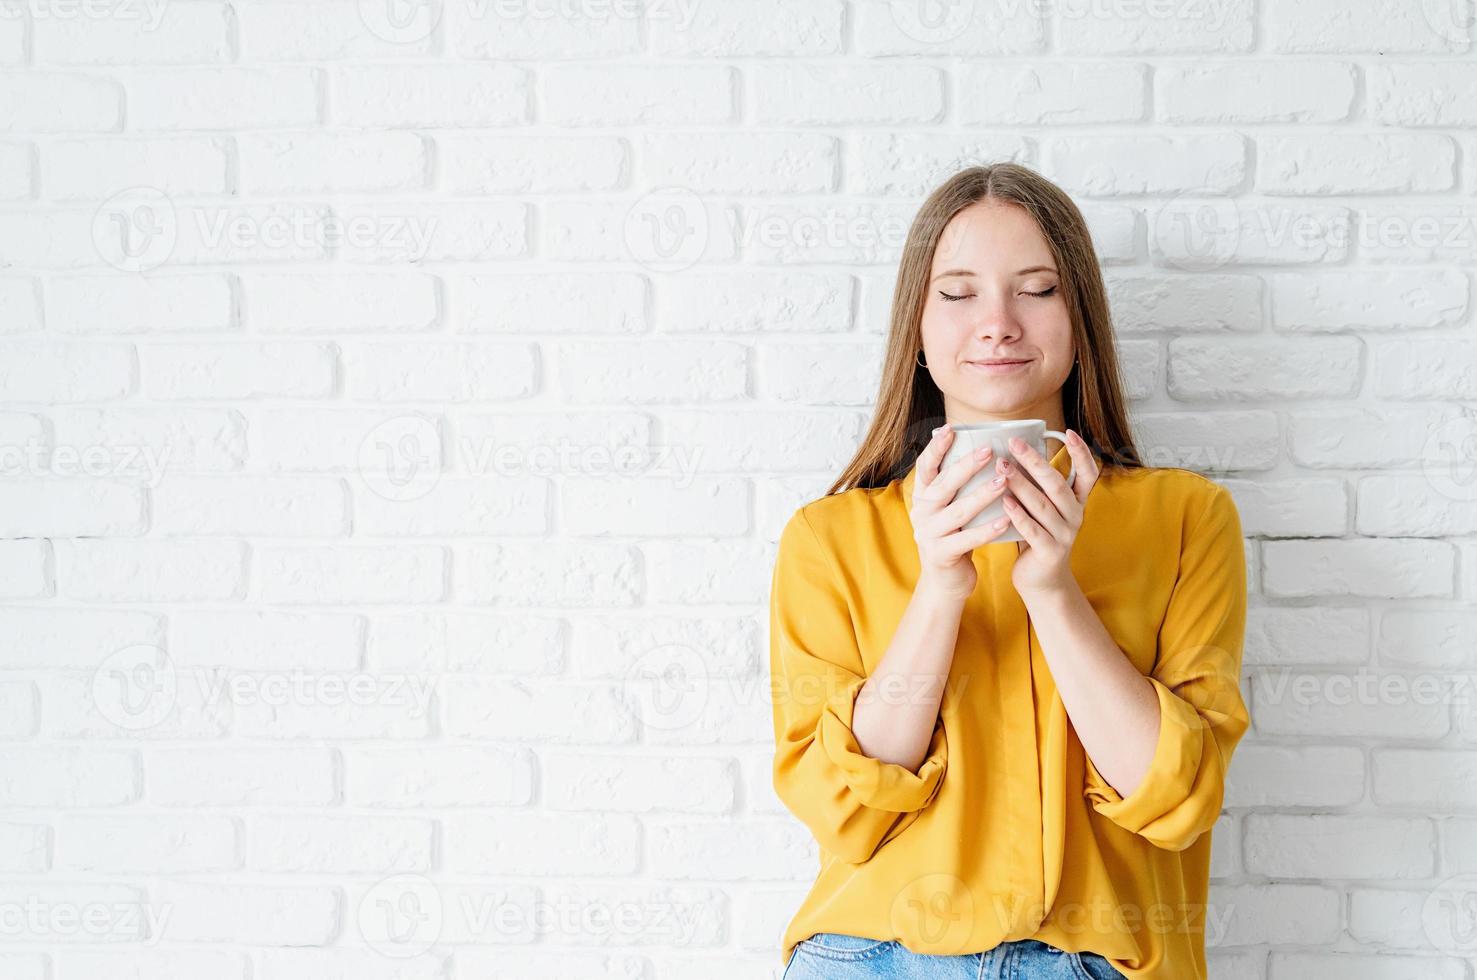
(909, 404)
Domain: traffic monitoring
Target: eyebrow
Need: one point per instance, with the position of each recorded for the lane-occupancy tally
(970, 273)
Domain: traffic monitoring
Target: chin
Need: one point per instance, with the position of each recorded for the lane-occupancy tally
(1007, 408)
(998, 394)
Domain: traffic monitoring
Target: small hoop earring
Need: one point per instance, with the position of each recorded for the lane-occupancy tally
(918, 358)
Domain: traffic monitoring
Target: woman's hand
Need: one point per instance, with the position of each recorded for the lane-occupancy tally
(944, 551)
(1048, 517)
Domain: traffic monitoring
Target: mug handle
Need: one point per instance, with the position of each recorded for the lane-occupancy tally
(1061, 437)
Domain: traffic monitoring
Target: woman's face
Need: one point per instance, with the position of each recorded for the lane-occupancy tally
(1009, 306)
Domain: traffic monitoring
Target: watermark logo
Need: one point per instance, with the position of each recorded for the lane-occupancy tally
(136, 229)
(401, 916)
(1197, 231)
(667, 230)
(139, 228)
(1363, 686)
(34, 918)
(786, 233)
(1449, 916)
(938, 907)
(679, 13)
(1451, 20)
(932, 21)
(400, 21)
(670, 684)
(1449, 459)
(148, 13)
(1213, 689)
(277, 689)
(35, 458)
(136, 688)
(400, 459)
(404, 915)
(1209, 15)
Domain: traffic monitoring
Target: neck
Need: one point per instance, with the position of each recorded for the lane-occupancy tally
(1049, 410)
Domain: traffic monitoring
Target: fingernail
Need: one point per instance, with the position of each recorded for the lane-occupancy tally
(997, 481)
(983, 452)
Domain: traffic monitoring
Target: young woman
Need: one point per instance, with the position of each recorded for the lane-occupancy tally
(1011, 754)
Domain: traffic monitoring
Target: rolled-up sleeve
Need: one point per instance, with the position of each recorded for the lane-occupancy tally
(851, 802)
(1196, 676)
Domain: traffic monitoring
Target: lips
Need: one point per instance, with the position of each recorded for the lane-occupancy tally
(995, 368)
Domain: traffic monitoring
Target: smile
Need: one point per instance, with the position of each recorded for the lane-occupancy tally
(1005, 367)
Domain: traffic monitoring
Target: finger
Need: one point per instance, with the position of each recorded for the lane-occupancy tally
(1037, 505)
(933, 453)
(1033, 532)
(964, 508)
(1052, 483)
(1084, 467)
(951, 478)
(970, 538)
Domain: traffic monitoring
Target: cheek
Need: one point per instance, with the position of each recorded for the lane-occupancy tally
(1052, 329)
(944, 324)
(1052, 311)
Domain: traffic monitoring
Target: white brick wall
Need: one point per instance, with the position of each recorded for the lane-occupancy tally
(397, 416)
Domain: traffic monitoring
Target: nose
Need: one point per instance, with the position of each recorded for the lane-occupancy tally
(996, 323)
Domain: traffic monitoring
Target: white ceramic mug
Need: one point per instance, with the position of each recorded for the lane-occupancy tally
(975, 435)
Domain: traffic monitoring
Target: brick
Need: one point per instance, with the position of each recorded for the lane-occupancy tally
(638, 95)
(154, 844)
(151, 571)
(221, 776)
(1384, 28)
(1112, 166)
(1417, 299)
(121, 303)
(66, 778)
(877, 94)
(1247, 91)
(1053, 92)
(429, 96)
(497, 163)
(51, 371)
(226, 98)
(216, 372)
(59, 103)
(760, 28)
(312, 303)
(307, 163)
(1367, 567)
(1356, 164)
(340, 845)
(195, 33)
(445, 777)
(257, 915)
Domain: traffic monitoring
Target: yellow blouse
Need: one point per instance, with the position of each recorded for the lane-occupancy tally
(1006, 830)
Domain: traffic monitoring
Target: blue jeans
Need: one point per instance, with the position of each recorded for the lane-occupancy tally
(835, 956)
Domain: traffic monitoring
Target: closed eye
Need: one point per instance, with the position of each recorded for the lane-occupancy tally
(952, 299)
